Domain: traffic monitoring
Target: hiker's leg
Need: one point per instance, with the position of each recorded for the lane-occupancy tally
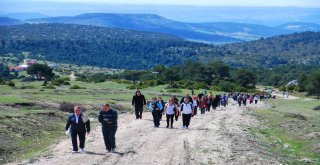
(168, 116)
(188, 118)
(112, 137)
(137, 112)
(82, 139)
(105, 132)
(171, 117)
(140, 112)
(74, 140)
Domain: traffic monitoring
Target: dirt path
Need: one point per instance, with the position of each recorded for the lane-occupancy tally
(218, 137)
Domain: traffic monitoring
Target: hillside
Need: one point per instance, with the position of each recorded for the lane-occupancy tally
(302, 48)
(142, 22)
(9, 21)
(126, 49)
(98, 46)
(209, 32)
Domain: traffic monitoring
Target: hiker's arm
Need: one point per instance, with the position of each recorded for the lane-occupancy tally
(68, 123)
(144, 100)
(88, 126)
(100, 118)
(133, 100)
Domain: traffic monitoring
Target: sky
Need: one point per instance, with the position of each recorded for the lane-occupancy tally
(297, 3)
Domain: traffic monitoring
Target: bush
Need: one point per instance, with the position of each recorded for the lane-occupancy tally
(66, 107)
(57, 82)
(2, 82)
(66, 83)
(174, 90)
(27, 87)
(11, 84)
(77, 87)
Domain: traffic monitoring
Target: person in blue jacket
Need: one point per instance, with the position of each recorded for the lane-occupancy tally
(156, 108)
(109, 121)
(80, 125)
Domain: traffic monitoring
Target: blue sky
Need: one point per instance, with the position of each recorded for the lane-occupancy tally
(298, 3)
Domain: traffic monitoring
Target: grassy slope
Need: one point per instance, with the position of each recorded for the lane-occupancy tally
(29, 131)
(291, 127)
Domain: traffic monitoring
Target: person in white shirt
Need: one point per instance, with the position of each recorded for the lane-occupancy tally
(187, 112)
(195, 104)
(170, 109)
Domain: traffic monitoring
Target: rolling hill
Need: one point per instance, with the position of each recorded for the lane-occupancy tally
(213, 32)
(9, 21)
(128, 49)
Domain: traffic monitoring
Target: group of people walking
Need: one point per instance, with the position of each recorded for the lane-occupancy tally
(187, 107)
(78, 124)
(243, 98)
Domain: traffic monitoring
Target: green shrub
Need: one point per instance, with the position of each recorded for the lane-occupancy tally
(174, 90)
(11, 84)
(66, 83)
(2, 82)
(27, 87)
(77, 87)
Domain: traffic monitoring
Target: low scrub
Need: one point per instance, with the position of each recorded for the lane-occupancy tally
(77, 87)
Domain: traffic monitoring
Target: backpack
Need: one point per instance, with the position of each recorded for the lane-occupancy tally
(189, 104)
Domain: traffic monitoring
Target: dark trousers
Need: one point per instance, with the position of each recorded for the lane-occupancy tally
(208, 107)
(176, 116)
(139, 111)
(186, 119)
(82, 139)
(195, 109)
(109, 134)
(203, 110)
(244, 102)
(156, 117)
(170, 117)
(239, 102)
(255, 101)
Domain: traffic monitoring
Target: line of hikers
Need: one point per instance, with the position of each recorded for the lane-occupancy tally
(78, 124)
(187, 107)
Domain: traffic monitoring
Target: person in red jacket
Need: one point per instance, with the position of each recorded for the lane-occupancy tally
(203, 104)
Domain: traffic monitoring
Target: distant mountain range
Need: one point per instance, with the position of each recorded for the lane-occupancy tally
(212, 32)
(128, 49)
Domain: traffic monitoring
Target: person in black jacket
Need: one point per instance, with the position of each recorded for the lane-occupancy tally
(109, 121)
(80, 125)
(138, 101)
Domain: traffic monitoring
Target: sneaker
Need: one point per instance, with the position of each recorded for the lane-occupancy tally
(167, 126)
(108, 151)
(187, 127)
(82, 150)
(183, 127)
(114, 150)
(74, 152)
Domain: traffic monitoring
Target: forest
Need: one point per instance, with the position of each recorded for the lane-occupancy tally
(137, 50)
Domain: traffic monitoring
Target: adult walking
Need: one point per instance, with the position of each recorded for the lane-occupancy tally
(138, 101)
(202, 104)
(187, 112)
(79, 125)
(156, 108)
(109, 121)
(195, 105)
(176, 102)
(170, 109)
